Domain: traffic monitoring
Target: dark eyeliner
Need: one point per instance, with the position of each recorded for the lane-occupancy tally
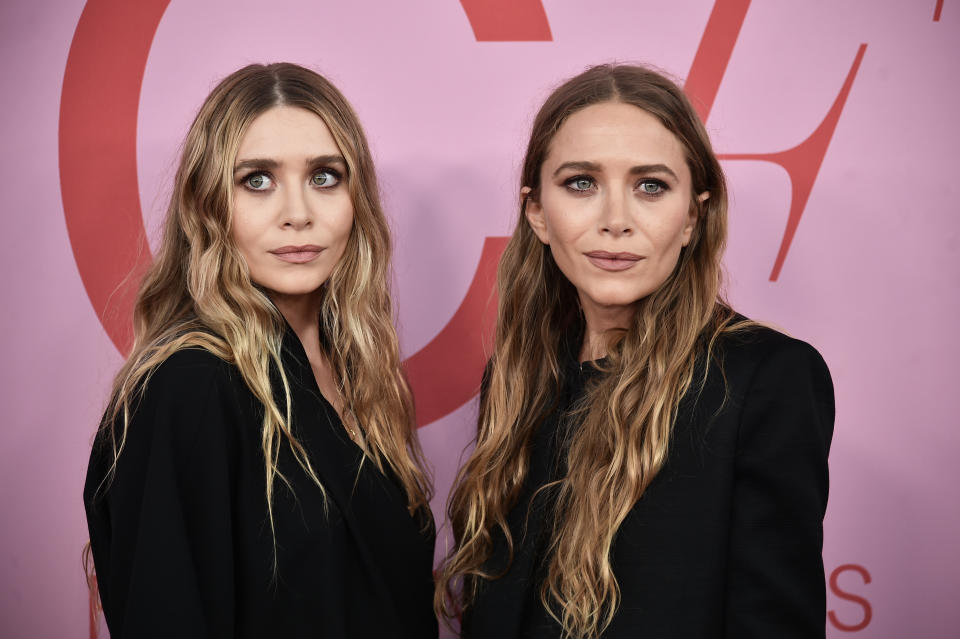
(244, 180)
(569, 182)
(664, 187)
(337, 175)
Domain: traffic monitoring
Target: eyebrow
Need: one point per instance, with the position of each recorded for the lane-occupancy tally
(635, 170)
(266, 163)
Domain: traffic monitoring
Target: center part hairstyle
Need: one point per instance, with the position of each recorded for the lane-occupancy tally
(624, 424)
(198, 292)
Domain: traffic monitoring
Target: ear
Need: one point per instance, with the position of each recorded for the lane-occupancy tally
(694, 215)
(533, 211)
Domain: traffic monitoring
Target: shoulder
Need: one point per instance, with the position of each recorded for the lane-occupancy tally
(776, 383)
(762, 369)
(192, 364)
(189, 374)
(191, 394)
(189, 411)
(755, 349)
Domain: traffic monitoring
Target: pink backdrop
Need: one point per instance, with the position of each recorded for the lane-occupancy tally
(870, 275)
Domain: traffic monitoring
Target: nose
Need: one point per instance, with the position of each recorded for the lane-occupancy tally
(296, 212)
(616, 218)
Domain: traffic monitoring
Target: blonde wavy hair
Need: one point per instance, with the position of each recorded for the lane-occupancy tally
(198, 292)
(625, 421)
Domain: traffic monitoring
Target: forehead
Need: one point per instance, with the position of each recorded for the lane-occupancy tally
(283, 130)
(612, 133)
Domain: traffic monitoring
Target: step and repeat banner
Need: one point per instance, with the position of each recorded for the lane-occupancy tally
(836, 123)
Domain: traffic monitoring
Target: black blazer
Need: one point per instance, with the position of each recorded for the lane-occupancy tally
(726, 541)
(181, 537)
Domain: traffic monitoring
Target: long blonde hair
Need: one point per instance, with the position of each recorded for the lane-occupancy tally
(198, 291)
(626, 420)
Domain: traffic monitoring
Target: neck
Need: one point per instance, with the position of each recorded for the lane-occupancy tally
(302, 313)
(600, 320)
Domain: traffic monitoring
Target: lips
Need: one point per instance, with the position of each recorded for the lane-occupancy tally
(298, 254)
(613, 261)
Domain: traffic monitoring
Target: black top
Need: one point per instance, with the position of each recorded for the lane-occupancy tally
(727, 539)
(181, 537)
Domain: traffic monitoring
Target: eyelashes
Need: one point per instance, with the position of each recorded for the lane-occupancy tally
(257, 181)
(261, 181)
(580, 183)
(325, 178)
(649, 187)
(659, 187)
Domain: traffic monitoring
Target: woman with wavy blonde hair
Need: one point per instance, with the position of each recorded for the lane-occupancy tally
(648, 463)
(257, 472)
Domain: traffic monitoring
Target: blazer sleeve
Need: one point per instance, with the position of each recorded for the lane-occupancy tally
(161, 529)
(775, 580)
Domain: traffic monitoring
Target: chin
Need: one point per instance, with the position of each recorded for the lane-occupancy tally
(295, 288)
(618, 297)
(296, 292)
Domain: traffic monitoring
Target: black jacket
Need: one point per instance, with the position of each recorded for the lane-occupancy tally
(726, 541)
(181, 537)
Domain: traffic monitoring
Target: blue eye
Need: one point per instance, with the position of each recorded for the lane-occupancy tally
(580, 183)
(258, 182)
(325, 179)
(652, 187)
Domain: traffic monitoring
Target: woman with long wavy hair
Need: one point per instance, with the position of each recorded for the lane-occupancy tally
(257, 473)
(648, 463)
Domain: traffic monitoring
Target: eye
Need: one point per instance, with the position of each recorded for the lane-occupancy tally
(325, 178)
(258, 182)
(652, 187)
(580, 183)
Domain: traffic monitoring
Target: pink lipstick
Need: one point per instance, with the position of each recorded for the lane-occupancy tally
(613, 261)
(298, 254)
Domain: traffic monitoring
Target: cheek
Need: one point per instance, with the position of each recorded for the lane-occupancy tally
(243, 233)
(564, 226)
(241, 221)
(671, 231)
(346, 220)
(332, 212)
(342, 223)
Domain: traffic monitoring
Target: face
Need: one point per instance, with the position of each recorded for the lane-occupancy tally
(292, 212)
(614, 205)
